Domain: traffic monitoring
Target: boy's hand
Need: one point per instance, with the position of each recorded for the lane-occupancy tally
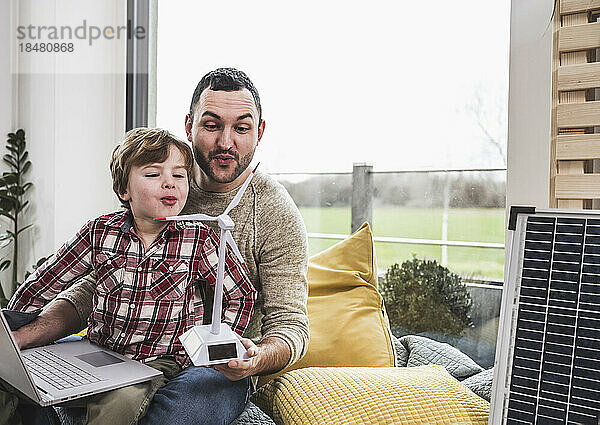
(20, 337)
(59, 319)
(235, 370)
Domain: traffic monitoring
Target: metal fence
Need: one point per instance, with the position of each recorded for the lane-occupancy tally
(362, 208)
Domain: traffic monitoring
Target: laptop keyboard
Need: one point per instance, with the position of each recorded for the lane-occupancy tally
(59, 373)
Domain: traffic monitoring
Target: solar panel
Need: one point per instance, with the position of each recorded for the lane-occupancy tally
(547, 365)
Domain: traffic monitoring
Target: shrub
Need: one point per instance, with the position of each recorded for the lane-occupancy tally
(422, 296)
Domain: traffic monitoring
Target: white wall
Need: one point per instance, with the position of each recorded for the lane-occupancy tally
(5, 82)
(6, 94)
(73, 112)
(529, 103)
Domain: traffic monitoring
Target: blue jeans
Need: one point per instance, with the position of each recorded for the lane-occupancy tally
(198, 395)
(36, 415)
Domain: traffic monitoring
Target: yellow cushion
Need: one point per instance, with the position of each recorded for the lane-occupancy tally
(348, 323)
(415, 395)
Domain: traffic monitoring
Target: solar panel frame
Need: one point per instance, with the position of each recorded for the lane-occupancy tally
(549, 330)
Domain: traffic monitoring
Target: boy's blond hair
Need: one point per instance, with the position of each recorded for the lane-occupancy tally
(143, 146)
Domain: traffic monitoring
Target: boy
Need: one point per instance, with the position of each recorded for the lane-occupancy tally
(147, 272)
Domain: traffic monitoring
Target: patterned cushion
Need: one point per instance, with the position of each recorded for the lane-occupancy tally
(363, 395)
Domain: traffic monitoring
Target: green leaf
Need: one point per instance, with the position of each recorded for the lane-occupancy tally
(25, 167)
(27, 186)
(16, 190)
(4, 265)
(12, 149)
(10, 178)
(22, 207)
(10, 202)
(7, 215)
(5, 208)
(9, 211)
(10, 161)
(23, 157)
(22, 229)
(20, 134)
(7, 194)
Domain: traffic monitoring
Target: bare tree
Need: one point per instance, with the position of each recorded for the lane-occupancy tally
(489, 113)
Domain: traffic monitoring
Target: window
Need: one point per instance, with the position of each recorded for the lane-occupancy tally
(401, 86)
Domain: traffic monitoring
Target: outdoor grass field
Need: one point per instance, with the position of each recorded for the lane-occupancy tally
(469, 224)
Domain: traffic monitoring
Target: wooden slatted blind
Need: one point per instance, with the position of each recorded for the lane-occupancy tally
(575, 150)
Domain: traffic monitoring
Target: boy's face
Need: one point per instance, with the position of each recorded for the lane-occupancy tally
(159, 189)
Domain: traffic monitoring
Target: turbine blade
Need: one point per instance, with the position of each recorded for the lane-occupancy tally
(238, 196)
(234, 248)
(192, 217)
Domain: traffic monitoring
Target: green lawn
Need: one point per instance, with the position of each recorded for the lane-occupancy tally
(476, 225)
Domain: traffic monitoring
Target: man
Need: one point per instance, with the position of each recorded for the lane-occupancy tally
(225, 126)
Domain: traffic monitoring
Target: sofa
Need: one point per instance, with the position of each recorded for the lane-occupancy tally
(355, 370)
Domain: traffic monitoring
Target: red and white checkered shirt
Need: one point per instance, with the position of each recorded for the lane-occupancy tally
(143, 300)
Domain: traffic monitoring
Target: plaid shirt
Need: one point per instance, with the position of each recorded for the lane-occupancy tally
(143, 300)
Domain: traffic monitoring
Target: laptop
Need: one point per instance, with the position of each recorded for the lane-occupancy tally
(56, 373)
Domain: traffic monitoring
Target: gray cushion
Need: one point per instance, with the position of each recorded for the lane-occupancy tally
(422, 351)
(401, 352)
(253, 415)
(481, 383)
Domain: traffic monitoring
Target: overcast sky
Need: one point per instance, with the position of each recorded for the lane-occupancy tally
(384, 82)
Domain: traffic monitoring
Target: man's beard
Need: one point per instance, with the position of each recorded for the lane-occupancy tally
(205, 164)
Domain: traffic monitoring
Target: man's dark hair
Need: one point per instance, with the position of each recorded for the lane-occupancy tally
(225, 79)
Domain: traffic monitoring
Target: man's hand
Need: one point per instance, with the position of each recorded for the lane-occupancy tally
(271, 355)
(235, 370)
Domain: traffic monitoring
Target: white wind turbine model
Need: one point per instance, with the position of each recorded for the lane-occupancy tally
(216, 343)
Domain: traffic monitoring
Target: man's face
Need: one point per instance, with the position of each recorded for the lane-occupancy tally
(159, 189)
(224, 134)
